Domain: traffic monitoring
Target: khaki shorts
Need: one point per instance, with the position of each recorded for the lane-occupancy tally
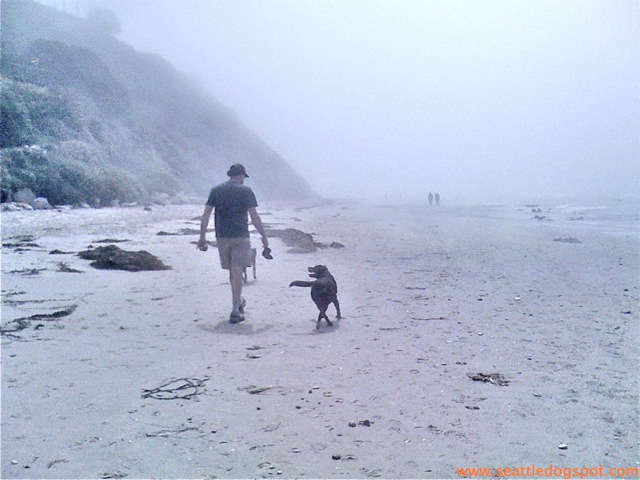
(234, 251)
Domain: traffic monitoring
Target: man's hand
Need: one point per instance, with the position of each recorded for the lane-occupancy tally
(202, 242)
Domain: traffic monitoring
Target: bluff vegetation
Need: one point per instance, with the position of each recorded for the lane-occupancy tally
(86, 118)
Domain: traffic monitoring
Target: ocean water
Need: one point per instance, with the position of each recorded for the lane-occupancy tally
(613, 217)
(619, 217)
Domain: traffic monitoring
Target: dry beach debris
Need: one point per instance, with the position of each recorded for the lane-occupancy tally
(112, 257)
(494, 378)
(567, 240)
(181, 388)
(22, 323)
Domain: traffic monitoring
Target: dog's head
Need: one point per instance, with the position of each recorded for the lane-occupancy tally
(318, 271)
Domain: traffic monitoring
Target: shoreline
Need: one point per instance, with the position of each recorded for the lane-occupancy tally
(602, 216)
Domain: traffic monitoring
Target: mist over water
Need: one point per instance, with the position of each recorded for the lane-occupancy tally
(388, 100)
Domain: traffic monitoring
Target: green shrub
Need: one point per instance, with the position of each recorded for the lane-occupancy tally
(30, 114)
(64, 184)
(16, 128)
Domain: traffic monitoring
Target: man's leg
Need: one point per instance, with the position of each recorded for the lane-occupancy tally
(235, 278)
(225, 248)
(240, 258)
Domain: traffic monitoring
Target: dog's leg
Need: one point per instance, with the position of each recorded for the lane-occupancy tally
(244, 274)
(301, 283)
(318, 321)
(337, 305)
(254, 267)
(329, 322)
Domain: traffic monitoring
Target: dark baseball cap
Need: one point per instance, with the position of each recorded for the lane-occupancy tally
(237, 169)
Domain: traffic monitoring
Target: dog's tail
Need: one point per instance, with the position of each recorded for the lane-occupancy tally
(301, 283)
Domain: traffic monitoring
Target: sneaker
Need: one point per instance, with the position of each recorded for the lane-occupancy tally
(236, 317)
(243, 303)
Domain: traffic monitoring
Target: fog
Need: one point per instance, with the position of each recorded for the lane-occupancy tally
(389, 100)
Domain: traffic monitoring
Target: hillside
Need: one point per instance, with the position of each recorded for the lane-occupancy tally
(86, 118)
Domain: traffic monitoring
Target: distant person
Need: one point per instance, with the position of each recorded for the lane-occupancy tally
(430, 199)
(437, 199)
(232, 201)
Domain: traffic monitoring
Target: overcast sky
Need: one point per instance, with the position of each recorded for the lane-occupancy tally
(393, 99)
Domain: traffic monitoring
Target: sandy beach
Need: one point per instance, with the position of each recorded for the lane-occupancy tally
(116, 374)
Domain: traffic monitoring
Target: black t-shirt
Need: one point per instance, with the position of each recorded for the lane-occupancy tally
(231, 201)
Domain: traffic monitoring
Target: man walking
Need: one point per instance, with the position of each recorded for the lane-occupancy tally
(232, 201)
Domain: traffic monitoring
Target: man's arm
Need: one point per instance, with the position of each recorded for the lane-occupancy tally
(204, 223)
(257, 222)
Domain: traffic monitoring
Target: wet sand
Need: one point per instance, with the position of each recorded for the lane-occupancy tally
(114, 374)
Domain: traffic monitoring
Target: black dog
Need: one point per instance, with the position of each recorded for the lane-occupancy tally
(324, 291)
